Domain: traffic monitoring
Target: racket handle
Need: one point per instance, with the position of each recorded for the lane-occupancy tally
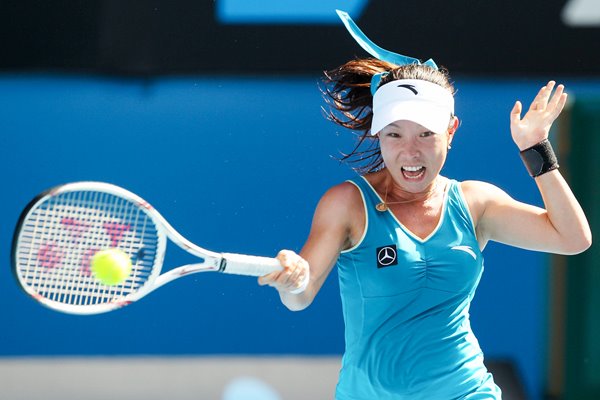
(241, 264)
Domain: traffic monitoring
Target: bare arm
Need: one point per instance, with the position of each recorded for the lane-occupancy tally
(561, 226)
(330, 233)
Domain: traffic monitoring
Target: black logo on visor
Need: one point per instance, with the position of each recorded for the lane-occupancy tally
(410, 87)
(387, 256)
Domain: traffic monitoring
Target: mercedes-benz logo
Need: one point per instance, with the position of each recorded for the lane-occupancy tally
(386, 256)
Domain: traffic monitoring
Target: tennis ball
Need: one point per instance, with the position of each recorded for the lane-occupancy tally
(111, 266)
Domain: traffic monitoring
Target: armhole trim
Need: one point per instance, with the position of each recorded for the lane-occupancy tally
(463, 199)
(366, 227)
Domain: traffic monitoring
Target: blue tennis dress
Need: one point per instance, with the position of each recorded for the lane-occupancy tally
(406, 308)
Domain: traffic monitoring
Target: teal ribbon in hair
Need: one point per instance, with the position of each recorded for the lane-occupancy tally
(378, 52)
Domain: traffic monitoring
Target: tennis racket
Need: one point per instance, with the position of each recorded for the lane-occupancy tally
(61, 229)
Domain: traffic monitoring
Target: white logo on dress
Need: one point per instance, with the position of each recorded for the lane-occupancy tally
(386, 256)
(466, 249)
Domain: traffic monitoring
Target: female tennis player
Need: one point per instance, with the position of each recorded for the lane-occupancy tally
(408, 241)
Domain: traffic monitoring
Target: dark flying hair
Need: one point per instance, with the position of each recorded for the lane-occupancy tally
(349, 103)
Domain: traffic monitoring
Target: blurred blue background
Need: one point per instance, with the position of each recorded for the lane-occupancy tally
(238, 165)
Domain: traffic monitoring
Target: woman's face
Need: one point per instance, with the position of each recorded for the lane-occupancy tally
(413, 155)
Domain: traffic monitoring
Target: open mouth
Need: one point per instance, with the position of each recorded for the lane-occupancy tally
(413, 172)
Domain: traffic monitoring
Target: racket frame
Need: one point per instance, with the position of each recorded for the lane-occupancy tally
(212, 261)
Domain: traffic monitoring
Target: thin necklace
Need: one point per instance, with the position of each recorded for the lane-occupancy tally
(383, 206)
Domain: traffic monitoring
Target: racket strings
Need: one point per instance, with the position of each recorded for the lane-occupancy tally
(60, 236)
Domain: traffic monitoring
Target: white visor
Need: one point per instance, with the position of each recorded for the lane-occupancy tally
(423, 102)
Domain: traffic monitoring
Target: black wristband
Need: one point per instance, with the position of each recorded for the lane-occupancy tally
(539, 158)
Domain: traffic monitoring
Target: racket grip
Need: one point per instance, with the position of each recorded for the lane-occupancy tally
(241, 264)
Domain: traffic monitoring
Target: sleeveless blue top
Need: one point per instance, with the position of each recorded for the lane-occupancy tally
(406, 308)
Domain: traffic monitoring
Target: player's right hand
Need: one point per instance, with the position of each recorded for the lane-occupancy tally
(293, 278)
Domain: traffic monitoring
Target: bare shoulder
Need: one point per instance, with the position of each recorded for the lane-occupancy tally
(479, 195)
(344, 198)
(340, 214)
(481, 191)
(344, 191)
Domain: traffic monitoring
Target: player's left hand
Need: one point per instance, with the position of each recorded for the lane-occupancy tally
(535, 125)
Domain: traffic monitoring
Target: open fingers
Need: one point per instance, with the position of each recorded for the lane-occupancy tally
(515, 114)
(561, 105)
(541, 99)
(557, 103)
